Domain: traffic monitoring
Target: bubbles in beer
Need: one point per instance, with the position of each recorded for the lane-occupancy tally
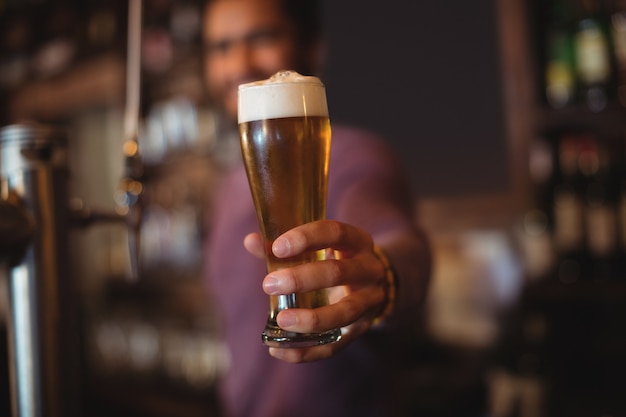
(285, 141)
(285, 94)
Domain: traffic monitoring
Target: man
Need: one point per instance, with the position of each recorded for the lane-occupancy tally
(369, 207)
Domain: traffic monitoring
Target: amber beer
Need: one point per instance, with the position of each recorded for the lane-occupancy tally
(285, 141)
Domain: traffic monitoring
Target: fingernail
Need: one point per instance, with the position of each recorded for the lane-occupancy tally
(270, 285)
(281, 247)
(286, 319)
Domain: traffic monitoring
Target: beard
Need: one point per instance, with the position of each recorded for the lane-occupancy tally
(225, 94)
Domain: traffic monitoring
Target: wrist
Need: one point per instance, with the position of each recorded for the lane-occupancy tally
(390, 287)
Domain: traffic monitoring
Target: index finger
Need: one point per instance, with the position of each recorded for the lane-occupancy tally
(321, 234)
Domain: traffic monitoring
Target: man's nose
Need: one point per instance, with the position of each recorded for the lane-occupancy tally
(241, 59)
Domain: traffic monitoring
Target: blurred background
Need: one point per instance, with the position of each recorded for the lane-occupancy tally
(509, 114)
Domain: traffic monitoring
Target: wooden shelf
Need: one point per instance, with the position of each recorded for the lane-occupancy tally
(610, 121)
(552, 290)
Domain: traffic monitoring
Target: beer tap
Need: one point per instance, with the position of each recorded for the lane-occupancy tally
(35, 256)
(35, 219)
(128, 196)
(130, 204)
(131, 187)
(34, 224)
(16, 228)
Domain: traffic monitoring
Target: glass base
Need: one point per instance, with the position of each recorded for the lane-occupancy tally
(276, 337)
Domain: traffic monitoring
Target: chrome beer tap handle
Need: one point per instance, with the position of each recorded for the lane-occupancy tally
(16, 230)
(130, 204)
(131, 187)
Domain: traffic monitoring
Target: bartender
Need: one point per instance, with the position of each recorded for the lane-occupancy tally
(383, 265)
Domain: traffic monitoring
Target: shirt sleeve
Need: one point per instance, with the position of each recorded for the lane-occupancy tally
(369, 188)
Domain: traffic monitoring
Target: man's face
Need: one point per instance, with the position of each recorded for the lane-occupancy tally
(245, 40)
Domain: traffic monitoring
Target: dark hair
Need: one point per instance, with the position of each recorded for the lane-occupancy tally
(306, 16)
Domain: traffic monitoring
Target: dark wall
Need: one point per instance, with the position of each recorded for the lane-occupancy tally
(426, 74)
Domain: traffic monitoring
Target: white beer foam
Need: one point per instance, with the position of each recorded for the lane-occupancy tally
(282, 95)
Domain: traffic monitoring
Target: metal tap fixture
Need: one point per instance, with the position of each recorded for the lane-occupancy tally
(33, 247)
(16, 229)
(130, 204)
(35, 218)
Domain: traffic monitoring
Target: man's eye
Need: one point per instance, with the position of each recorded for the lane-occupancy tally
(260, 38)
(263, 38)
(217, 48)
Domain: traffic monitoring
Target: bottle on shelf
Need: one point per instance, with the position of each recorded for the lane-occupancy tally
(618, 34)
(600, 208)
(620, 179)
(568, 228)
(593, 57)
(536, 234)
(560, 70)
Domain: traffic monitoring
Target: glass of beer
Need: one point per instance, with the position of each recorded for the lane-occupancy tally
(285, 141)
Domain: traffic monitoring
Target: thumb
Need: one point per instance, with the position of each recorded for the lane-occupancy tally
(253, 243)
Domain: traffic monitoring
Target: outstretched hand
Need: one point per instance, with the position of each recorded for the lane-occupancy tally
(355, 276)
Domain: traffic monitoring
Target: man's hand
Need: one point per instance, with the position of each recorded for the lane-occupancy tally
(355, 275)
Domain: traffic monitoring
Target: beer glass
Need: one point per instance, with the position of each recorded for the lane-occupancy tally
(285, 141)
